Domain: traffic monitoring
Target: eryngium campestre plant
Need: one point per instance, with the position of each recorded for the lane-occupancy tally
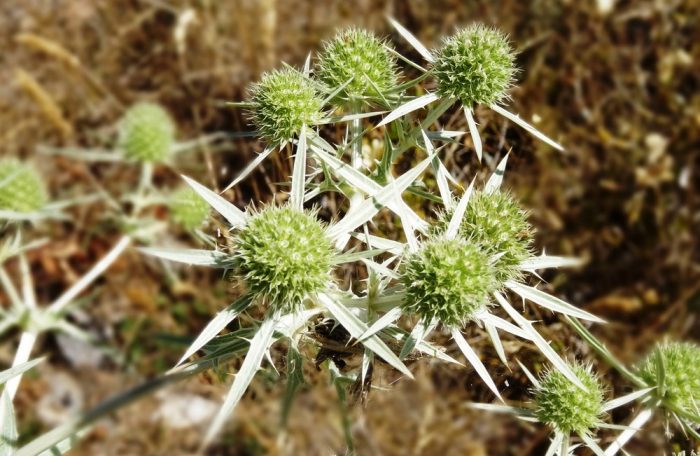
(476, 65)
(146, 133)
(566, 407)
(284, 255)
(188, 209)
(498, 225)
(21, 187)
(447, 279)
(284, 101)
(677, 366)
(360, 55)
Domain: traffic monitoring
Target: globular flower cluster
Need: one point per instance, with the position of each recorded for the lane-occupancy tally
(284, 101)
(679, 363)
(360, 55)
(476, 65)
(146, 133)
(565, 406)
(21, 187)
(188, 209)
(447, 279)
(284, 255)
(498, 225)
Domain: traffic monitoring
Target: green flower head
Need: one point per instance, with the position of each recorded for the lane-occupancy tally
(498, 225)
(21, 187)
(284, 101)
(188, 209)
(284, 255)
(360, 55)
(146, 133)
(449, 280)
(677, 366)
(476, 65)
(566, 407)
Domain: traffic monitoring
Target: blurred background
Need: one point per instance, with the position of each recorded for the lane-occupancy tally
(616, 82)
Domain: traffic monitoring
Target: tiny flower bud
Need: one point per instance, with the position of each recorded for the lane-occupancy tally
(188, 209)
(146, 133)
(21, 187)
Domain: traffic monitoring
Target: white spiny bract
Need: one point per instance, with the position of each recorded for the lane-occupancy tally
(674, 369)
(475, 65)
(566, 407)
(447, 279)
(21, 187)
(358, 56)
(283, 101)
(284, 255)
(188, 209)
(146, 133)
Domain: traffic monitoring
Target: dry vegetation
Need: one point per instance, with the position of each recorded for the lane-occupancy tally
(619, 89)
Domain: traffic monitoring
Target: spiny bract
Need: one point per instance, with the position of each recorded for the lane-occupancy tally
(360, 55)
(499, 226)
(284, 101)
(566, 407)
(680, 386)
(21, 187)
(146, 133)
(188, 209)
(284, 255)
(450, 280)
(476, 65)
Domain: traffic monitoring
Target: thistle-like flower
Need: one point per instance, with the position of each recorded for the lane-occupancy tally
(146, 133)
(21, 188)
(358, 61)
(674, 370)
(498, 225)
(564, 406)
(283, 102)
(476, 65)
(284, 256)
(188, 209)
(449, 280)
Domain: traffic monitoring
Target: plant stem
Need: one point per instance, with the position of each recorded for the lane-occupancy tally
(24, 351)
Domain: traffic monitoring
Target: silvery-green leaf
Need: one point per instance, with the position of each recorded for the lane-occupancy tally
(299, 173)
(408, 107)
(637, 423)
(440, 173)
(12, 372)
(380, 269)
(349, 117)
(627, 398)
(500, 408)
(591, 444)
(414, 337)
(555, 445)
(474, 360)
(250, 167)
(458, 215)
(529, 128)
(500, 323)
(11, 290)
(214, 327)
(551, 302)
(474, 132)
(195, 257)
(412, 40)
(357, 327)
(529, 375)
(548, 352)
(295, 379)
(496, 342)
(258, 347)
(548, 261)
(377, 242)
(387, 319)
(22, 355)
(444, 135)
(8, 426)
(231, 213)
(494, 182)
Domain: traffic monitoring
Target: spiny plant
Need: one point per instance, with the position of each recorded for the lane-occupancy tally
(146, 133)
(188, 209)
(21, 187)
(358, 67)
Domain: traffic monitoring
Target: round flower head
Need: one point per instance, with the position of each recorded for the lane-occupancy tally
(146, 133)
(566, 407)
(188, 209)
(475, 65)
(680, 364)
(21, 187)
(284, 101)
(450, 280)
(360, 55)
(498, 225)
(284, 255)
